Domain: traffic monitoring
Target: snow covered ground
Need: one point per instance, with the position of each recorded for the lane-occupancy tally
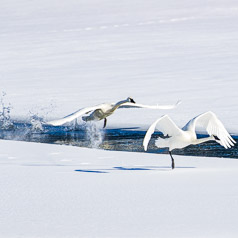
(76, 54)
(59, 56)
(62, 191)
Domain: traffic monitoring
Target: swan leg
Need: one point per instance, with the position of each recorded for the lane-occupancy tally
(173, 164)
(75, 124)
(105, 122)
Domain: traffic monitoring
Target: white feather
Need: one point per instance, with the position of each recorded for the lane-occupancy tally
(182, 138)
(72, 116)
(165, 125)
(213, 126)
(161, 107)
(104, 110)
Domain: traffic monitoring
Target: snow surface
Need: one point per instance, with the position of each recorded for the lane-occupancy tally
(63, 191)
(73, 54)
(59, 56)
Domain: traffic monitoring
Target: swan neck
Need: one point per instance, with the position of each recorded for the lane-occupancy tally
(118, 104)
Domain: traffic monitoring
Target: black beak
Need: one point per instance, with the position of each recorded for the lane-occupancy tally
(132, 100)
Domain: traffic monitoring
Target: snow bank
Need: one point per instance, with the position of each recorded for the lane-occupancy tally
(57, 57)
(62, 191)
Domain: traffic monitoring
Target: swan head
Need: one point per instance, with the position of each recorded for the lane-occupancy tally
(129, 99)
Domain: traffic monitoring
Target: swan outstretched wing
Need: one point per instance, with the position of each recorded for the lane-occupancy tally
(213, 126)
(165, 125)
(72, 116)
(137, 105)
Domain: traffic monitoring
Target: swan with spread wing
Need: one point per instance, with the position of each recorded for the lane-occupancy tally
(102, 111)
(180, 138)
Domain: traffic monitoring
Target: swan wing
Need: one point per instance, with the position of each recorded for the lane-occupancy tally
(213, 126)
(165, 125)
(137, 105)
(73, 116)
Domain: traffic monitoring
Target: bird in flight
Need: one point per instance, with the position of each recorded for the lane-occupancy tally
(180, 138)
(102, 111)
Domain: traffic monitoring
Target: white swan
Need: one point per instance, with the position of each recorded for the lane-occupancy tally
(104, 110)
(180, 138)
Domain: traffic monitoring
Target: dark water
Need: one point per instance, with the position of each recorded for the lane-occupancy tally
(119, 139)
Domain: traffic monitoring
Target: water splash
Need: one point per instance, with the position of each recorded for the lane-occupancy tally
(36, 122)
(38, 115)
(94, 134)
(5, 118)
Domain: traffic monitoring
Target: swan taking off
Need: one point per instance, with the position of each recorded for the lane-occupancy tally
(104, 110)
(180, 138)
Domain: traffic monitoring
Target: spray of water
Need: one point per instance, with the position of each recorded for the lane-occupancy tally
(38, 115)
(94, 134)
(5, 109)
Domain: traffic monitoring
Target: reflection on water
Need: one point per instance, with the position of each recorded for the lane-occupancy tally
(122, 139)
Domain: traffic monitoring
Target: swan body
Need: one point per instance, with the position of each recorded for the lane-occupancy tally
(102, 111)
(180, 138)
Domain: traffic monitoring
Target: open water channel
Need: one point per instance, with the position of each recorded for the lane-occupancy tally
(119, 139)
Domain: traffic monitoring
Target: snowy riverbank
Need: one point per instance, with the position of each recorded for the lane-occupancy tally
(63, 191)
